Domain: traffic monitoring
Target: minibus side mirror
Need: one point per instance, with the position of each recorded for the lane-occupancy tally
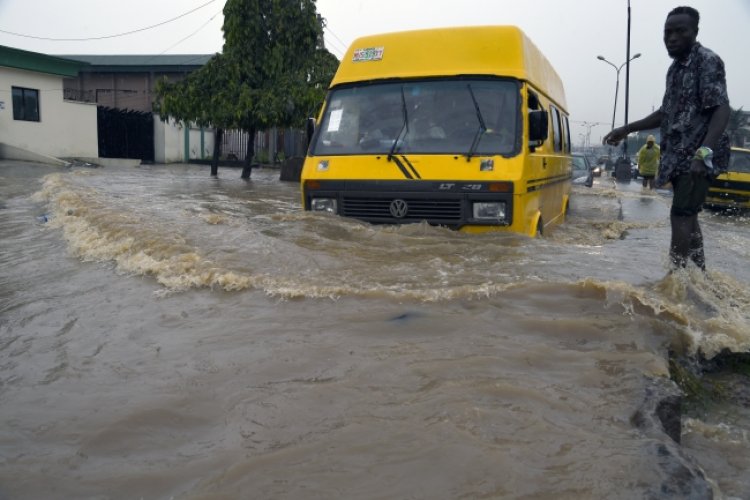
(538, 127)
(310, 130)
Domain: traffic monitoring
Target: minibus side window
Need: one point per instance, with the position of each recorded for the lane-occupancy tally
(538, 122)
(566, 124)
(556, 135)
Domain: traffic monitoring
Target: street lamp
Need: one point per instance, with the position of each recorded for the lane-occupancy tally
(617, 84)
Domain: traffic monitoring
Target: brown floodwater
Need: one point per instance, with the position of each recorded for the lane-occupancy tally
(165, 334)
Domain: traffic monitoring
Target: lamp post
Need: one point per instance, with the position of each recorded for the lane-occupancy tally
(617, 84)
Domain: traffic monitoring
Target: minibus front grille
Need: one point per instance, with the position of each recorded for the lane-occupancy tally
(379, 209)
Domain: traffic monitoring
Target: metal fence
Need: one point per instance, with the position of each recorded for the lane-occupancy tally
(271, 146)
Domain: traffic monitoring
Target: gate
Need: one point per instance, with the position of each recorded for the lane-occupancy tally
(269, 144)
(125, 134)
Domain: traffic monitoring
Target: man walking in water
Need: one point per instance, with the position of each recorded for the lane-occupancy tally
(693, 117)
(648, 161)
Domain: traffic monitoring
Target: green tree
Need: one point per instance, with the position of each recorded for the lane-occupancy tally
(282, 67)
(204, 97)
(738, 121)
(273, 72)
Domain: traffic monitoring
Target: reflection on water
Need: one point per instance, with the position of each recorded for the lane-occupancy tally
(166, 334)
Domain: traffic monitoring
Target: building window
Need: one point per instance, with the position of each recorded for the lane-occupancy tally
(25, 104)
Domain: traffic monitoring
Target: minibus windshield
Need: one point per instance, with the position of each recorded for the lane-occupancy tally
(424, 117)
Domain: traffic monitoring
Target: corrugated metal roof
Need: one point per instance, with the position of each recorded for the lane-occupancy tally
(35, 61)
(143, 61)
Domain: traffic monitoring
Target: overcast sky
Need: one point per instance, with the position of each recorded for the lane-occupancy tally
(571, 33)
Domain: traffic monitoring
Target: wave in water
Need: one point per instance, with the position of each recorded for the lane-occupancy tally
(298, 254)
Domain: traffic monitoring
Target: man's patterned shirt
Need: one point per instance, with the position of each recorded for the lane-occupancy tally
(696, 85)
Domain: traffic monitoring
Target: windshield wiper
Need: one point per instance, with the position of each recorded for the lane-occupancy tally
(405, 126)
(482, 126)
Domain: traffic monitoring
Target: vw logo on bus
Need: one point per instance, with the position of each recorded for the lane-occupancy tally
(399, 208)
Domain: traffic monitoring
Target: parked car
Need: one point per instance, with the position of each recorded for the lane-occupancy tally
(731, 190)
(582, 172)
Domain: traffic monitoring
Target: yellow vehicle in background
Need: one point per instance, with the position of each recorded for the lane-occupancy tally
(732, 188)
(459, 127)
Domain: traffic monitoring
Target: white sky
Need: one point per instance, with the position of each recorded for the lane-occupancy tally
(570, 32)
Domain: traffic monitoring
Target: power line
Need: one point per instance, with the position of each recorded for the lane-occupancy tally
(344, 45)
(337, 51)
(339, 48)
(182, 40)
(108, 36)
(332, 46)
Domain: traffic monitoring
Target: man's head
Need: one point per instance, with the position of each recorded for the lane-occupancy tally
(680, 31)
(650, 140)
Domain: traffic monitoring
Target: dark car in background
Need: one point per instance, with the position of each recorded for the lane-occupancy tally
(731, 190)
(583, 172)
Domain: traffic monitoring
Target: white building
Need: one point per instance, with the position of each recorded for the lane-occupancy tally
(36, 122)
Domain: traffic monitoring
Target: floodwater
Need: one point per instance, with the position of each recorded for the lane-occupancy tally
(164, 334)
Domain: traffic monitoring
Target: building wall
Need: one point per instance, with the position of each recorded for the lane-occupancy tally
(171, 141)
(123, 90)
(64, 129)
(198, 137)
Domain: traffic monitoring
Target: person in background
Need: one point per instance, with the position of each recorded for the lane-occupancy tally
(693, 118)
(648, 161)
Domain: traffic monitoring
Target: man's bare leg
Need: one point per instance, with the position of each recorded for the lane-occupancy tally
(682, 229)
(696, 246)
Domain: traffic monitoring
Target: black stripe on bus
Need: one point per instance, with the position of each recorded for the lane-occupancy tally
(403, 169)
(722, 184)
(541, 183)
(414, 170)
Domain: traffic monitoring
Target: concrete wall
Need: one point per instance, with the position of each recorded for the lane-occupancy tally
(170, 141)
(133, 90)
(194, 143)
(64, 129)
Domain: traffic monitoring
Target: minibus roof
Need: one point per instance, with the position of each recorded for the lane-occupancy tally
(475, 50)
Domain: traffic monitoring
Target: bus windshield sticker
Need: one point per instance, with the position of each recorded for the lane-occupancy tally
(368, 54)
(335, 121)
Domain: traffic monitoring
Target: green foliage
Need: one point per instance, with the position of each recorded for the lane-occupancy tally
(274, 70)
(738, 120)
(203, 97)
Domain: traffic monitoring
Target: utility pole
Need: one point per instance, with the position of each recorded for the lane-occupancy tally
(627, 86)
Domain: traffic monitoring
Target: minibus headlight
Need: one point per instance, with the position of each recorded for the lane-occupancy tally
(485, 210)
(323, 205)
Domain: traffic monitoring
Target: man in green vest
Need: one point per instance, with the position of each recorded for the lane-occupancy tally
(648, 161)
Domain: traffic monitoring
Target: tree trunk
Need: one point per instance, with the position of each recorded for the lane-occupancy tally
(218, 134)
(247, 169)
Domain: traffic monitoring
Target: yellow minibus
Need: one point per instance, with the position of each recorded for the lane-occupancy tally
(731, 190)
(459, 127)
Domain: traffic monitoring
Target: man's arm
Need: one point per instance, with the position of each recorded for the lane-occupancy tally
(616, 135)
(716, 126)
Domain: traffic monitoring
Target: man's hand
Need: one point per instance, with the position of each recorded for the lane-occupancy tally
(697, 167)
(614, 137)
